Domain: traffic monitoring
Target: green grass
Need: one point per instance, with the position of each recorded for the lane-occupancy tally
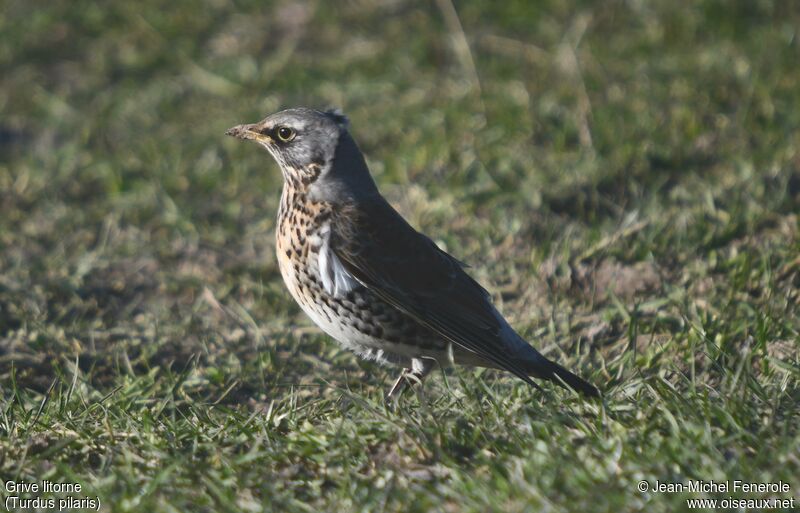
(624, 178)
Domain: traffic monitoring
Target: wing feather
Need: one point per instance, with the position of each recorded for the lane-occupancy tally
(407, 270)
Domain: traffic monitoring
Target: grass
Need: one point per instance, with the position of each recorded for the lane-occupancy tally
(624, 178)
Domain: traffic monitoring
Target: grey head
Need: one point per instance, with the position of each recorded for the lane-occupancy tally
(314, 151)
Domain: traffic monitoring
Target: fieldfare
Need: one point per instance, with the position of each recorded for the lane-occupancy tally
(369, 279)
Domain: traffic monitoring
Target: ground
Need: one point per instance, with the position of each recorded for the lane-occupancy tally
(623, 177)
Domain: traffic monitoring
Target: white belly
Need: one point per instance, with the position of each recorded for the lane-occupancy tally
(327, 318)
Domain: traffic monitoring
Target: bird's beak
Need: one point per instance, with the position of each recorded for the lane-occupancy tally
(247, 132)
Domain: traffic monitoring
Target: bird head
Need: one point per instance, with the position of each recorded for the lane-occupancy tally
(314, 151)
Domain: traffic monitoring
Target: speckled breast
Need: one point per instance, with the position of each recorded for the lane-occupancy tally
(359, 320)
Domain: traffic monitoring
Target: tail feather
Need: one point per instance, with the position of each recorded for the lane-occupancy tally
(546, 369)
(536, 365)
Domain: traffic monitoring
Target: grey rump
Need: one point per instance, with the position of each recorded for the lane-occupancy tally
(365, 276)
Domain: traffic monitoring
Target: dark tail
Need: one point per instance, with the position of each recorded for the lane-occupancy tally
(546, 369)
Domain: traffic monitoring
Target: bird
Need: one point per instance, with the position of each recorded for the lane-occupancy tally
(370, 280)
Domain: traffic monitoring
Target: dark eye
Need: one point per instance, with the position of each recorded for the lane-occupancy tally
(285, 134)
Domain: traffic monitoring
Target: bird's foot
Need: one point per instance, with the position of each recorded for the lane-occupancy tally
(409, 377)
(399, 385)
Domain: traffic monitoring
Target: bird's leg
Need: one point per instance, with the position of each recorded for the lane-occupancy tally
(409, 377)
(399, 385)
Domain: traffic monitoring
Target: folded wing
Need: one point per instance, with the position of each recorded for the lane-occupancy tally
(407, 270)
